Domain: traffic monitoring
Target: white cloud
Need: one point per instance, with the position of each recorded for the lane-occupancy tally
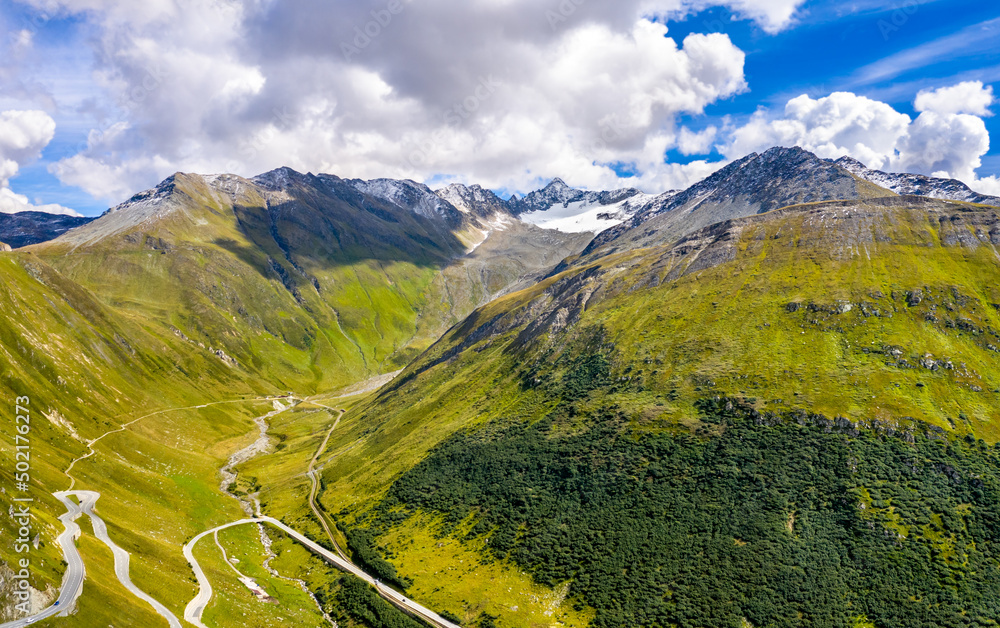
(13, 203)
(941, 141)
(490, 91)
(23, 135)
(487, 91)
(944, 144)
(978, 39)
(967, 97)
(21, 40)
(987, 185)
(772, 15)
(839, 124)
(700, 143)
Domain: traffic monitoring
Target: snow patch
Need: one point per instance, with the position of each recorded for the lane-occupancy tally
(587, 215)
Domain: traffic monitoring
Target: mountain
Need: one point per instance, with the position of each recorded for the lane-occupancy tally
(734, 412)
(754, 184)
(416, 196)
(558, 193)
(474, 199)
(791, 414)
(918, 184)
(148, 341)
(4, 247)
(25, 228)
(558, 206)
(310, 280)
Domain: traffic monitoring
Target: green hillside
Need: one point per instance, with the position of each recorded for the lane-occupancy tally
(311, 295)
(148, 341)
(85, 370)
(785, 419)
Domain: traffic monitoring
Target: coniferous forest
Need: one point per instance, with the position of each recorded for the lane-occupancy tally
(772, 520)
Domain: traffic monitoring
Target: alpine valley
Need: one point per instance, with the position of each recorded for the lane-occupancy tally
(770, 399)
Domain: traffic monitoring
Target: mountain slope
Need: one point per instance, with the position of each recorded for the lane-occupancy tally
(474, 199)
(921, 185)
(78, 369)
(807, 396)
(757, 183)
(25, 228)
(307, 280)
(150, 339)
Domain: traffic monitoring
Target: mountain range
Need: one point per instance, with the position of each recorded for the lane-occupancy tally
(770, 399)
(563, 208)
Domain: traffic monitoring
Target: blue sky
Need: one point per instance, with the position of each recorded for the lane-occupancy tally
(831, 49)
(80, 64)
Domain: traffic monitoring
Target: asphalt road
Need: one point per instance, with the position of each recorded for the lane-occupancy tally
(87, 500)
(72, 584)
(195, 608)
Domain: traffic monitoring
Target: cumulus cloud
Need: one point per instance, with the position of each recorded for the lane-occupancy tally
(947, 139)
(506, 93)
(970, 97)
(13, 203)
(23, 135)
(838, 124)
(987, 185)
(692, 143)
(495, 92)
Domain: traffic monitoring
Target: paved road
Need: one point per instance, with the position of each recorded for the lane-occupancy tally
(314, 490)
(87, 501)
(72, 584)
(195, 608)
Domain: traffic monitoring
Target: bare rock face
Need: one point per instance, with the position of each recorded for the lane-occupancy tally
(918, 184)
(756, 184)
(4, 247)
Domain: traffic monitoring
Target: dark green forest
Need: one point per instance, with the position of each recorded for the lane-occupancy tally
(358, 601)
(776, 520)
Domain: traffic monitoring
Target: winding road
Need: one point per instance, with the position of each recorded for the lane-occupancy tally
(314, 489)
(72, 584)
(196, 607)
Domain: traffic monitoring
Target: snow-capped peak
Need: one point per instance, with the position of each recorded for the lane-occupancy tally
(277, 179)
(474, 199)
(916, 184)
(405, 193)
